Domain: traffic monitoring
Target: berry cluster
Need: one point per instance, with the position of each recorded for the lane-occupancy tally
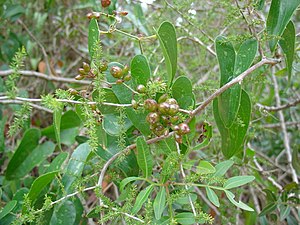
(163, 116)
(121, 75)
(87, 72)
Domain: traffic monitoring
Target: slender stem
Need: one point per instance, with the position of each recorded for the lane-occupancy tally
(280, 107)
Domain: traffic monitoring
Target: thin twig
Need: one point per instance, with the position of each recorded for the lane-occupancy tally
(13, 101)
(284, 130)
(234, 81)
(44, 76)
(277, 125)
(279, 107)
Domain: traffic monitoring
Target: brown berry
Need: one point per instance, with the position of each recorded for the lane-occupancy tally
(164, 108)
(178, 138)
(105, 3)
(172, 101)
(116, 72)
(127, 77)
(134, 104)
(183, 128)
(119, 81)
(174, 108)
(150, 104)
(152, 117)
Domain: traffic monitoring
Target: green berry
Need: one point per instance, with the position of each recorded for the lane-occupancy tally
(127, 77)
(103, 66)
(164, 108)
(141, 88)
(119, 81)
(172, 101)
(125, 70)
(81, 71)
(134, 104)
(174, 108)
(86, 67)
(116, 72)
(163, 98)
(79, 77)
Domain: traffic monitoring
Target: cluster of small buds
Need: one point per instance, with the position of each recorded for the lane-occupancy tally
(122, 75)
(87, 72)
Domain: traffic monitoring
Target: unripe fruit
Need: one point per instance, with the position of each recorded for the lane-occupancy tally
(165, 119)
(103, 66)
(178, 138)
(86, 67)
(172, 101)
(119, 81)
(93, 107)
(164, 108)
(183, 128)
(163, 98)
(134, 104)
(105, 3)
(150, 104)
(127, 77)
(81, 71)
(141, 88)
(174, 108)
(123, 13)
(152, 117)
(79, 77)
(175, 128)
(73, 91)
(125, 70)
(116, 72)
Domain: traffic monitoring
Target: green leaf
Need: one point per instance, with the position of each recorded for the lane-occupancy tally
(144, 157)
(168, 42)
(268, 209)
(239, 204)
(237, 181)
(233, 137)
(64, 214)
(205, 167)
(57, 162)
(167, 145)
(140, 70)
(279, 16)
(141, 199)
(128, 180)
(284, 211)
(75, 166)
(182, 91)
(223, 167)
(93, 36)
(229, 101)
(7, 208)
(56, 122)
(271, 197)
(39, 184)
(287, 43)
(112, 126)
(2, 128)
(28, 155)
(212, 196)
(185, 199)
(159, 203)
(108, 96)
(185, 218)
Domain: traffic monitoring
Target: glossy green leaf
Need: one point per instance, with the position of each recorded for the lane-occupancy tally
(144, 157)
(141, 199)
(39, 184)
(279, 16)
(205, 167)
(128, 165)
(185, 218)
(93, 36)
(112, 126)
(182, 91)
(28, 144)
(159, 203)
(229, 101)
(69, 120)
(57, 162)
(237, 181)
(56, 122)
(140, 70)
(75, 166)
(223, 167)
(233, 137)
(124, 96)
(28, 156)
(268, 209)
(7, 208)
(167, 145)
(168, 42)
(128, 180)
(239, 204)
(64, 214)
(287, 43)
(212, 196)
(109, 96)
